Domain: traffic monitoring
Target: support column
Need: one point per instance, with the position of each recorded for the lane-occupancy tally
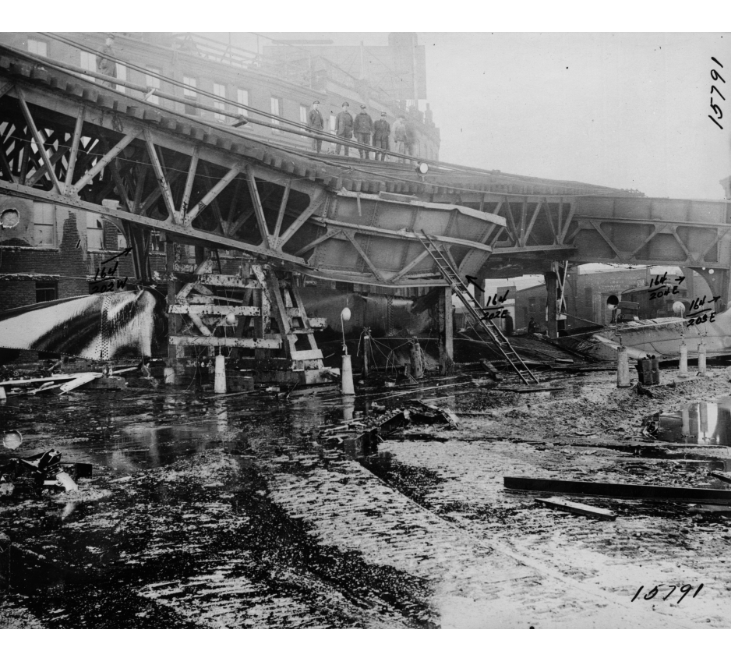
(551, 300)
(171, 366)
(446, 330)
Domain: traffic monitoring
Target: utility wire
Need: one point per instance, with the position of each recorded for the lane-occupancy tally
(310, 133)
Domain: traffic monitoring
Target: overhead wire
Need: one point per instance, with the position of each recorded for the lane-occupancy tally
(311, 133)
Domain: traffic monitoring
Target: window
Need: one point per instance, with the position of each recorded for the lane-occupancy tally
(94, 232)
(121, 241)
(88, 62)
(38, 47)
(156, 242)
(242, 97)
(44, 224)
(190, 94)
(219, 90)
(122, 75)
(153, 82)
(46, 291)
(276, 110)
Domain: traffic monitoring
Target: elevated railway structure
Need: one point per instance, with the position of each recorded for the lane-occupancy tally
(75, 142)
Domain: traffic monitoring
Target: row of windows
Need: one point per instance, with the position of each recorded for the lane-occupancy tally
(152, 81)
(88, 61)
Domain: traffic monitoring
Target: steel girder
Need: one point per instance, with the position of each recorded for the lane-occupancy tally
(71, 142)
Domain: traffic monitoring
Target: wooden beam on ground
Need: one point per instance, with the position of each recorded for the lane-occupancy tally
(578, 509)
(723, 476)
(629, 491)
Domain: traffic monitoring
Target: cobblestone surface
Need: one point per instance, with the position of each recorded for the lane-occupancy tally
(230, 513)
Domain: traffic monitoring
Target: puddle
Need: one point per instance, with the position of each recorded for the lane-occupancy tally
(705, 423)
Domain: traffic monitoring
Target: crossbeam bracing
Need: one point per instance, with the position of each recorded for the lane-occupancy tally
(92, 143)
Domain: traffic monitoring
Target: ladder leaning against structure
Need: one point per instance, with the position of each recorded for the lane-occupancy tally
(449, 271)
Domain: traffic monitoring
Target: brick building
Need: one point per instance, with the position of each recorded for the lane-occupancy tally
(49, 252)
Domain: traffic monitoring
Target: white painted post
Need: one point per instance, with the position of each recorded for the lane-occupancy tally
(219, 383)
(346, 373)
(702, 358)
(683, 369)
(623, 379)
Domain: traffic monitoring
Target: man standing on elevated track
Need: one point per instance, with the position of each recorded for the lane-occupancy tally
(344, 128)
(363, 128)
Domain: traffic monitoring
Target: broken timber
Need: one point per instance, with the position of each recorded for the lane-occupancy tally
(622, 491)
(267, 317)
(579, 509)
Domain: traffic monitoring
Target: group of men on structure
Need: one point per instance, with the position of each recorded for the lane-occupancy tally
(362, 127)
(365, 131)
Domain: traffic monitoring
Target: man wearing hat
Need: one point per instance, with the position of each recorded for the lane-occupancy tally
(381, 131)
(105, 65)
(363, 127)
(344, 127)
(315, 123)
(399, 135)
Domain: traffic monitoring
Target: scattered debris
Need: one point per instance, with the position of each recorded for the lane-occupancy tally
(618, 490)
(42, 471)
(492, 372)
(12, 440)
(723, 476)
(578, 509)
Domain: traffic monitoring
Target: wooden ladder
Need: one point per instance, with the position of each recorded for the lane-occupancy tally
(449, 271)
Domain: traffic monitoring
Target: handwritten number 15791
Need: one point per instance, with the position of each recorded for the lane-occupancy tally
(716, 109)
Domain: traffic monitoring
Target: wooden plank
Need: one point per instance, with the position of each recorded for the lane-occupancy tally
(723, 476)
(578, 509)
(220, 310)
(315, 354)
(226, 341)
(31, 381)
(83, 379)
(630, 491)
(230, 281)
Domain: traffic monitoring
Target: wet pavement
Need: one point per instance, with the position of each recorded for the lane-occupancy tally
(230, 511)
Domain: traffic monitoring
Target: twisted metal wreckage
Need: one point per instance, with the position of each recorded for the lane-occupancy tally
(74, 143)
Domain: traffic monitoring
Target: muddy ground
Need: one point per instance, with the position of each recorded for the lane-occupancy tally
(230, 512)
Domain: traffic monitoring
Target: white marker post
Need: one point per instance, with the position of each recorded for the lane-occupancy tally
(623, 379)
(219, 382)
(346, 370)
